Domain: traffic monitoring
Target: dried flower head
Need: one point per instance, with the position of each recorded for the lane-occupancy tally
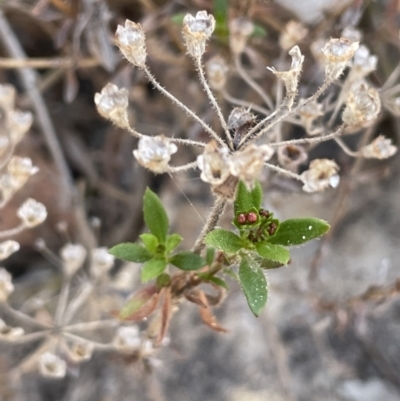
(32, 213)
(352, 34)
(240, 30)
(217, 70)
(101, 262)
(52, 366)
(8, 332)
(362, 105)
(337, 54)
(214, 164)
(73, 256)
(293, 33)
(81, 351)
(291, 156)
(6, 285)
(7, 96)
(155, 153)
(127, 339)
(379, 148)
(322, 173)
(363, 64)
(7, 248)
(291, 77)
(112, 103)
(308, 114)
(19, 123)
(131, 41)
(248, 163)
(196, 31)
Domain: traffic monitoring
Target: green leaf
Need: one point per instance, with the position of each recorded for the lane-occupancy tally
(152, 268)
(245, 199)
(254, 284)
(150, 241)
(155, 216)
(276, 253)
(268, 264)
(178, 18)
(298, 231)
(210, 255)
(131, 252)
(187, 260)
(218, 281)
(172, 242)
(225, 240)
(259, 31)
(163, 280)
(220, 11)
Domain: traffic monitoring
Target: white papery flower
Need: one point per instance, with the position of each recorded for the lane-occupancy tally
(7, 248)
(73, 256)
(196, 31)
(127, 339)
(6, 285)
(52, 366)
(155, 153)
(32, 213)
(322, 173)
(8, 332)
(379, 148)
(101, 261)
(81, 351)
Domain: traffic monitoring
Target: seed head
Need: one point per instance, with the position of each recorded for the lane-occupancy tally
(379, 148)
(127, 339)
(9, 332)
(196, 31)
(7, 248)
(81, 351)
(337, 53)
(240, 30)
(155, 153)
(291, 156)
(240, 121)
(112, 103)
(131, 41)
(6, 285)
(321, 174)
(101, 262)
(363, 64)
(32, 213)
(362, 105)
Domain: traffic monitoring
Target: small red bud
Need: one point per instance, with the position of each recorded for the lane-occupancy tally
(251, 217)
(241, 218)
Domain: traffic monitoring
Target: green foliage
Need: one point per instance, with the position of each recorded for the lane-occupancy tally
(150, 241)
(131, 252)
(254, 284)
(172, 242)
(187, 261)
(299, 231)
(224, 240)
(153, 268)
(276, 253)
(247, 200)
(155, 216)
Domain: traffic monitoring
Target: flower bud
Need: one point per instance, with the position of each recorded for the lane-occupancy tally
(155, 153)
(293, 33)
(52, 366)
(362, 105)
(131, 41)
(73, 256)
(81, 351)
(379, 148)
(240, 30)
(363, 64)
(19, 122)
(337, 53)
(196, 31)
(32, 213)
(6, 285)
(112, 103)
(7, 248)
(321, 174)
(217, 72)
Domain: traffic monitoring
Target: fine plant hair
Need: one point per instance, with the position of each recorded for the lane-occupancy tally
(249, 140)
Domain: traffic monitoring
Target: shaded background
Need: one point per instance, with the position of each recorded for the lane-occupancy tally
(331, 328)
